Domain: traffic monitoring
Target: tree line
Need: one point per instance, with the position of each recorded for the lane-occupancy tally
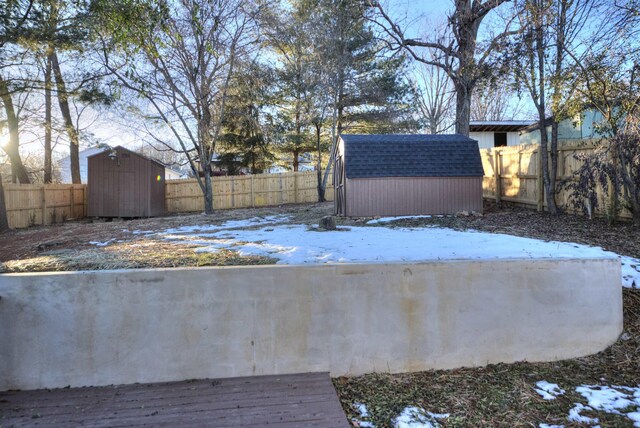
(236, 82)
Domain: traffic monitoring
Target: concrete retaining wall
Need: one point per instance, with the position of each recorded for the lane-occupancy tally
(113, 327)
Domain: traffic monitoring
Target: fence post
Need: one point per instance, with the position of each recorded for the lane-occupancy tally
(72, 202)
(44, 204)
(252, 194)
(540, 182)
(560, 171)
(613, 196)
(496, 175)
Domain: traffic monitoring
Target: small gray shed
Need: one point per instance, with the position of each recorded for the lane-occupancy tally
(393, 175)
(122, 183)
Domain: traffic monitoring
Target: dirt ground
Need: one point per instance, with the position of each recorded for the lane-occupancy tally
(68, 246)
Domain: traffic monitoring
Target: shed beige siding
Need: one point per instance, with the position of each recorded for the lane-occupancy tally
(393, 196)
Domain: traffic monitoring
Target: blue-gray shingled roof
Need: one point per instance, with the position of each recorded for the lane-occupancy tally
(411, 156)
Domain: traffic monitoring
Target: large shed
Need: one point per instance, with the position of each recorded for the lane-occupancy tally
(392, 175)
(122, 183)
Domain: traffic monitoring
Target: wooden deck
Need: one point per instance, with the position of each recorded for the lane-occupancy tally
(290, 400)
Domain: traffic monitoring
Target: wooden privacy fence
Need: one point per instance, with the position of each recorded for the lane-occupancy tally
(514, 173)
(41, 204)
(246, 191)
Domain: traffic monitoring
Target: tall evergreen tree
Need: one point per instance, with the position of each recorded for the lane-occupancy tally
(244, 141)
(367, 89)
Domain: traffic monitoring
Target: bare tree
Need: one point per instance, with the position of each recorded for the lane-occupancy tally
(434, 94)
(608, 73)
(456, 51)
(180, 59)
(550, 33)
(495, 100)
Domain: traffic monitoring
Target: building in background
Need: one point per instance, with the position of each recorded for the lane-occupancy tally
(64, 164)
(502, 133)
(582, 127)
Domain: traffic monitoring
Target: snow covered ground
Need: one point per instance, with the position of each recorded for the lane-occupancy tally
(619, 400)
(616, 399)
(410, 417)
(300, 244)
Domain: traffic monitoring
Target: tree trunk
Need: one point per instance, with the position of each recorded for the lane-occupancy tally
(553, 171)
(12, 147)
(549, 192)
(463, 108)
(296, 161)
(321, 190)
(208, 191)
(48, 173)
(334, 143)
(467, 21)
(72, 132)
(4, 222)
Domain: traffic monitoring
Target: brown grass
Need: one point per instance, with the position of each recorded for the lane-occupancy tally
(142, 253)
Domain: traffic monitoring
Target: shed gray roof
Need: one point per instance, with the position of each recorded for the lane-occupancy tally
(392, 155)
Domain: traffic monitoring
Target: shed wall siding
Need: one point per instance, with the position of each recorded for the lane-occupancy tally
(393, 196)
(124, 187)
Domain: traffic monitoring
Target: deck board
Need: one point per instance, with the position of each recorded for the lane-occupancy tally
(307, 399)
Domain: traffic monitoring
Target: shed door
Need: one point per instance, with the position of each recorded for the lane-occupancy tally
(126, 200)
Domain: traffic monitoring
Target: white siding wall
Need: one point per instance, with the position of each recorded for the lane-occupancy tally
(170, 174)
(65, 165)
(485, 139)
(513, 138)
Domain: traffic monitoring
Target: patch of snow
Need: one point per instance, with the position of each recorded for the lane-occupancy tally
(362, 409)
(612, 399)
(630, 272)
(297, 244)
(607, 398)
(416, 417)
(231, 224)
(141, 232)
(550, 426)
(575, 416)
(635, 417)
(548, 391)
(102, 244)
(390, 219)
(364, 413)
